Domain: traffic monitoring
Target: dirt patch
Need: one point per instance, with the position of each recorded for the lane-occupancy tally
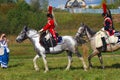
(116, 18)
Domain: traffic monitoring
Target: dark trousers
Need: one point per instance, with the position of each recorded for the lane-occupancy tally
(45, 44)
(104, 44)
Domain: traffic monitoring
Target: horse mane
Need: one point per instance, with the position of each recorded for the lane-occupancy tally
(92, 32)
(31, 29)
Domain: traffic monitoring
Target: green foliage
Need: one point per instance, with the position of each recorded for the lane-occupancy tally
(104, 1)
(117, 3)
(39, 5)
(14, 16)
(3, 23)
(44, 4)
(114, 5)
(35, 5)
(6, 1)
(22, 6)
(5, 7)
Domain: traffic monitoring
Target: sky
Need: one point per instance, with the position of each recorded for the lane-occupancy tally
(57, 3)
(54, 3)
(61, 3)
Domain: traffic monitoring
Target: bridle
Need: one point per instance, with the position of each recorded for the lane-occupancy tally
(81, 34)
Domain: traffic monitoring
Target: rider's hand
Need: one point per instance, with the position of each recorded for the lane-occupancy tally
(40, 30)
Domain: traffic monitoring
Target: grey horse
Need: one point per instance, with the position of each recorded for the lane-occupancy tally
(68, 44)
(84, 30)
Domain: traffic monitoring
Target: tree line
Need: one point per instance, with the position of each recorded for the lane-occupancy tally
(14, 14)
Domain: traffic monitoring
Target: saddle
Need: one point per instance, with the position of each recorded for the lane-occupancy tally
(49, 42)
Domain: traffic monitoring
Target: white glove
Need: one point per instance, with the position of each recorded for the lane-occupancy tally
(40, 30)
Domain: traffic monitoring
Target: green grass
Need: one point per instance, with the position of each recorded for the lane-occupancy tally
(21, 68)
(69, 23)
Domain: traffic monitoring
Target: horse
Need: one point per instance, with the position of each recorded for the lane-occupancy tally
(68, 44)
(84, 30)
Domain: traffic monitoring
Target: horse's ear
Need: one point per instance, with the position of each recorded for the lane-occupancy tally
(82, 23)
(26, 28)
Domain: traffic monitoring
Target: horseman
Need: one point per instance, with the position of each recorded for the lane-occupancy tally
(108, 23)
(108, 29)
(50, 27)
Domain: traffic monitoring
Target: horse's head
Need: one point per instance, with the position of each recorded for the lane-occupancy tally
(22, 35)
(81, 31)
(80, 34)
(84, 30)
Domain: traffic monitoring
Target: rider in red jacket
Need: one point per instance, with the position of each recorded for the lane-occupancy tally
(50, 26)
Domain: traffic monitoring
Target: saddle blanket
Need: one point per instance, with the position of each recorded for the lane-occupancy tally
(109, 39)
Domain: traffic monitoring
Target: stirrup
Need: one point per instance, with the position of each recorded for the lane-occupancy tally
(47, 50)
(103, 48)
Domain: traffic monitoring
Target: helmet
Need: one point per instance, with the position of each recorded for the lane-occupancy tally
(50, 15)
(104, 14)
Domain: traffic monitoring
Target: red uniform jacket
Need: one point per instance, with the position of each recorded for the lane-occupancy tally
(50, 26)
(108, 24)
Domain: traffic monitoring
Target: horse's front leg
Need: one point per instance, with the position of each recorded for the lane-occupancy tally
(90, 56)
(69, 60)
(101, 61)
(35, 62)
(89, 60)
(45, 62)
(81, 58)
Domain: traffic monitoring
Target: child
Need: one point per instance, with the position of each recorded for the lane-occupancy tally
(4, 58)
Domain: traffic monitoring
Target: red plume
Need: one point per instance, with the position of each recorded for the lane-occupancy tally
(50, 9)
(104, 6)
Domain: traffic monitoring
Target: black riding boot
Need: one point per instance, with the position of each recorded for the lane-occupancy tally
(104, 44)
(118, 39)
(45, 45)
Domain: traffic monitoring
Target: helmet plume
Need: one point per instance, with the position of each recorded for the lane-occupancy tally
(104, 6)
(50, 9)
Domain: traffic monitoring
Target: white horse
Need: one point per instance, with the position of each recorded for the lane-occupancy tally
(84, 30)
(68, 44)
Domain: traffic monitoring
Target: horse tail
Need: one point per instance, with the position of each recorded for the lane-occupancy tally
(85, 50)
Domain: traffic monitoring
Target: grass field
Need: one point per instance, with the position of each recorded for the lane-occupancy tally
(21, 68)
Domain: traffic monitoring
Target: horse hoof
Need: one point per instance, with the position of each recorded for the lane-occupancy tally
(90, 67)
(46, 71)
(37, 69)
(66, 69)
(85, 69)
(103, 67)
